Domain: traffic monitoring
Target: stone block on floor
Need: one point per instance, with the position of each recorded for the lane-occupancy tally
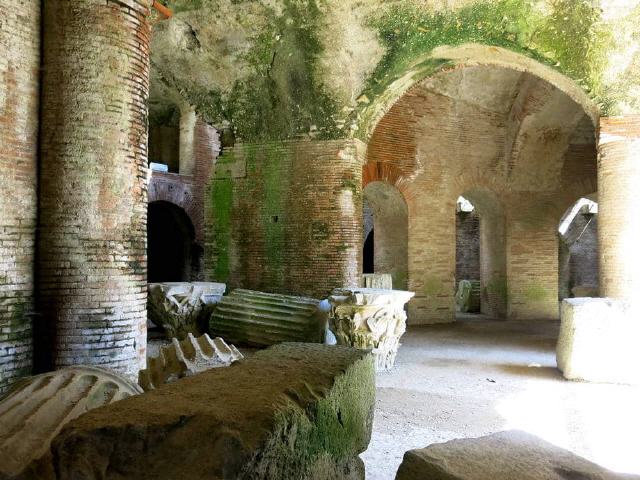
(598, 341)
(507, 455)
(293, 411)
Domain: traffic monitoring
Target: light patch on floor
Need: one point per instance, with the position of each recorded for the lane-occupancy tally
(479, 376)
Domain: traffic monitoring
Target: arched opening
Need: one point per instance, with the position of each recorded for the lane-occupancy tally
(517, 145)
(172, 255)
(467, 257)
(385, 212)
(578, 269)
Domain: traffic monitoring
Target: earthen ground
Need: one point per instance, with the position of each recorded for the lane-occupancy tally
(478, 376)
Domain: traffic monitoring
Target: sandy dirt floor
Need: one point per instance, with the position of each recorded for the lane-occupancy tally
(479, 376)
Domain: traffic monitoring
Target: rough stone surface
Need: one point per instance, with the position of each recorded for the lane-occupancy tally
(370, 318)
(36, 408)
(185, 358)
(377, 280)
(468, 296)
(598, 340)
(179, 307)
(262, 319)
(293, 411)
(91, 268)
(505, 455)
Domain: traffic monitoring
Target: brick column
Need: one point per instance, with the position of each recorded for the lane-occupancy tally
(93, 191)
(532, 259)
(618, 225)
(19, 66)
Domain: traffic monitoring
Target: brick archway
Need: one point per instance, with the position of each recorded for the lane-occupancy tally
(178, 190)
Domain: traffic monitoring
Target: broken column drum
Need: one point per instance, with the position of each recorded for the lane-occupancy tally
(370, 318)
(93, 184)
(180, 308)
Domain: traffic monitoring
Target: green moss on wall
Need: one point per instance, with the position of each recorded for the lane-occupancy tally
(570, 37)
(222, 211)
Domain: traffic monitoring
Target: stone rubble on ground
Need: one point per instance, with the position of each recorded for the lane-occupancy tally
(292, 411)
(36, 408)
(510, 455)
(185, 358)
(181, 307)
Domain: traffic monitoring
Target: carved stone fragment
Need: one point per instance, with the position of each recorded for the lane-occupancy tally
(36, 408)
(187, 357)
(292, 411)
(262, 319)
(181, 307)
(370, 318)
(468, 296)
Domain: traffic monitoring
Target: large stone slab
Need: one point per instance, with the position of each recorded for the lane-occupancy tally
(599, 341)
(36, 408)
(293, 411)
(181, 308)
(249, 317)
(370, 318)
(512, 455)
(185, 358)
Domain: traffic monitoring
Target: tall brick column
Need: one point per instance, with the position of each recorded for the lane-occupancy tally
(19, 64)
(618, 225)
(532, 258)
(93, 192)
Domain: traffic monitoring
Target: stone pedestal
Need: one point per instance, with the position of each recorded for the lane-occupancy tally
(180, 307)
(598, 341)
(370, 318)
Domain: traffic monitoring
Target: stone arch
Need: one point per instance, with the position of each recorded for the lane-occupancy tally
(390, 214)
(448, 58)
(177, 191)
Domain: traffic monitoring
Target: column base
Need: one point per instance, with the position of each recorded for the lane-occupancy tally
(598, 341)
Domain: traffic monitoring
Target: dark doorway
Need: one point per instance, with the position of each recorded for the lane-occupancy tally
(367, 254)
(171, 248)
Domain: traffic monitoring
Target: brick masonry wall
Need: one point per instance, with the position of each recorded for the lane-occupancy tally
(93, 184)
(583, 261)
(390, 221)
(618, 230)
(19, 75)
(286, 217)
(467, 246)
(436, 143)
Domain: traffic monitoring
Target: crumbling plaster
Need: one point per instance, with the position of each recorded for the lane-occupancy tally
(331, 68)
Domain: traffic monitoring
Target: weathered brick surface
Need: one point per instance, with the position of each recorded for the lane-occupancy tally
(19, 63)
(189, 191)
(618, 230)
(441, 140)
(93, 183)
(286, 217)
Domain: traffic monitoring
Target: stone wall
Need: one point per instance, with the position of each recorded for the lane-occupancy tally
(286, 217)
(467, 246)
(93, 184)
(19, 83)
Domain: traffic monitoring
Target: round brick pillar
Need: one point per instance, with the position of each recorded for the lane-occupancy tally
(618, 201)
(93, 184)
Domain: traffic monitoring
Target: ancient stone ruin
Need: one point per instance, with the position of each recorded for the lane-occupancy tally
(37, 408)
(293, 411)
(260, 319)
(501, 456)
(371, 319)
(468, 296)
(185, 358)
(181, 308)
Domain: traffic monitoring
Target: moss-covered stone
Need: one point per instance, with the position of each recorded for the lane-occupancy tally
(292, 411)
